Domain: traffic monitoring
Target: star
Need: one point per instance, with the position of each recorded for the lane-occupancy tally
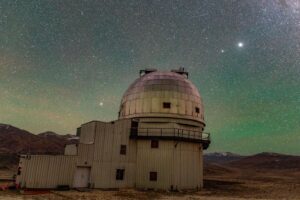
(240, 44)
(101, 104)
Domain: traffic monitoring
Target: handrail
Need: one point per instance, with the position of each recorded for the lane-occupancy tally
(170, 132)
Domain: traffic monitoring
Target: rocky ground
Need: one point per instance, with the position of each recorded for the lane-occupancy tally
(220, 184)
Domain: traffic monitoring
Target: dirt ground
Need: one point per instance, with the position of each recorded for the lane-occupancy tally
(232, 185)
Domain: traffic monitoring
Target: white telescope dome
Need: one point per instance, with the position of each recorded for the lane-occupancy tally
(162, 94)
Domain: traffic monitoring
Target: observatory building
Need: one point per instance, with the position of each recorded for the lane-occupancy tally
(157, 142)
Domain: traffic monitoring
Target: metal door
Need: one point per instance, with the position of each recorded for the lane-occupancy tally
(82, 177)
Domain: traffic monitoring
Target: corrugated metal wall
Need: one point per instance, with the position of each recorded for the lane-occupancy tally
(47, 171)
(85, 154)
(107, 158)
(188, 162)
(178, 164)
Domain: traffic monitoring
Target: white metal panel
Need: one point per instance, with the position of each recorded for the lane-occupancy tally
(71, 149)
(138, 106)
(47, 171)
(127, 108)
(99, 141)
(107, 146)
(85, 154)
(87, 133)
(156, 105)
(181, 107)
(174, 105)
(132, 107)
(147, 105)
(189, 109)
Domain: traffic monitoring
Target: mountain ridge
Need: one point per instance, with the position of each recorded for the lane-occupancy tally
(14, 140)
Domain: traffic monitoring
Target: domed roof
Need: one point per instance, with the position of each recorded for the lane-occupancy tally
(162, 94)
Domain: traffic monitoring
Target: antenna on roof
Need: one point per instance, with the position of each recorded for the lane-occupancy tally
(147, 71)
(181, 71)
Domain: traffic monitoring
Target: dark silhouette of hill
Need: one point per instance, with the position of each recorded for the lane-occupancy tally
(267, 161)
(18, 141)
(221, 157)
(15, 141)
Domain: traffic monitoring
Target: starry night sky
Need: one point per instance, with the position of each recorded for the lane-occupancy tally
(63, 63)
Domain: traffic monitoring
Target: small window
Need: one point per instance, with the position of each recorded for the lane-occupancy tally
(153, 176)
(197, 109)
(134, 124)
(154, 143)
(166, 105)
(123, 150)
(120, 174)
(19, 171)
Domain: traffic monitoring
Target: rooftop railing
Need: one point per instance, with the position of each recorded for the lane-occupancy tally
(171, 133)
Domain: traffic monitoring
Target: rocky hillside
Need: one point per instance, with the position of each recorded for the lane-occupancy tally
(15, 141)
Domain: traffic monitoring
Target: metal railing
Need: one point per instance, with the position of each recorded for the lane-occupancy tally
(170, 132)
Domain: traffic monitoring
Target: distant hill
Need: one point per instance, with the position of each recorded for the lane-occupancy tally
(221, 157)
(267, 161)
(14, 140)
(229, 163)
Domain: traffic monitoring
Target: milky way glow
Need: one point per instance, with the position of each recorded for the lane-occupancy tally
(60, 59)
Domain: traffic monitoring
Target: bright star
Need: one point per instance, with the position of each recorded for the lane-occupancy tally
(240, 44)
(101, 104)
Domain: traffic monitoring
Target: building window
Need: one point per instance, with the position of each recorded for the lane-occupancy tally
(123, 150)
(197, 109)
(134, 127)
(19, 171)
(153, 176)
(154, 143)
(166, 105)
(120, 174)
